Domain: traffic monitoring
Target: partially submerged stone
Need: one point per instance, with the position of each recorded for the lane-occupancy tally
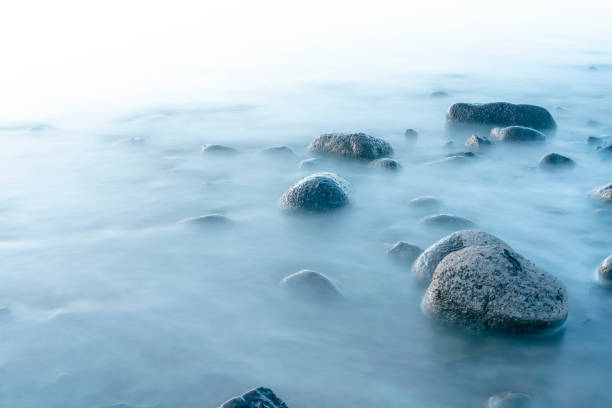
(278, 151)
(439, 94)
(411, 134)
(510, 399)
(517, 134)
(603, 193)
(219, 150)
(404, 253)
(319, 192)
(501, 114)
(494, 289)
(426, 263)
(386, 163)
(605, 153)
(555, 160)
(208, 219)
(307, 284)
(309, 163)
(605, 270)
(425, 201)
(447, 221)
(477, 143)
(351, 146)
(257, 398)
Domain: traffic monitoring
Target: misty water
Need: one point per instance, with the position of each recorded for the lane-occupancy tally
(108, 299)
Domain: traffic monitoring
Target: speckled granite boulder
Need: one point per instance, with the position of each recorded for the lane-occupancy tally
(517, 134)
(319, 192)
(493, 288)
(605, 270)
(311, 285)
(501, 114)
(351, 145)
(258, 398)
(603, 193)
(477, 143)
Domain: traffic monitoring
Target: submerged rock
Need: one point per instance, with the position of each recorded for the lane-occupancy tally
(309, 163)
(439, 94)
(411, 134)
(386, 163)
(404, 253)
(603, 193)
(208, 219)
(351, 145)
(501, 114)
(605, 270)
(517, 134)
(425, 201)
(495, 289)
(510, 399)
(605, 153)
(220, 150)
(319, 192)
(447, 221)
(258, 398)
(450, 145)
(312, 285)
(555, 160)
(278, 151)
(426, 263)
(478, 143)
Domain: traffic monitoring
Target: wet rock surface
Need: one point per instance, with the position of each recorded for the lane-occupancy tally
(605, 270)
(386, 163)
(351, 146)
(426, 263)
(603, 193)
(319, 192)
(501, 114)
(477, 143)
(495, 289)
(404, 253)
(517, 134)
(510, 399)
(311, 285)
(258, 398)
(555, 160)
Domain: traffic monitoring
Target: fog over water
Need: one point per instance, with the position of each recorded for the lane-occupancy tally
(108, 299)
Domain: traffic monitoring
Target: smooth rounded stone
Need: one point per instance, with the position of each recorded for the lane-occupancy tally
(478, 143)
(278, 151)
(603, 193)
(351, 145)
(605, 270)
(411, 134)
(309, 163)
(208, 219)
(426, 263)
(510, 399)
(386, 163)
(319, 192)
(404, 253)
(425, 201)
(439, 95)
(220, 150)
(517, 134)
(501, 114)
(555, 160)
(492, 288)
(261, 397)
(446, 221)
(312, 285)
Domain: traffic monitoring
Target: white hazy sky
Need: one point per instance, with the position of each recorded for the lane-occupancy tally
(62, 57)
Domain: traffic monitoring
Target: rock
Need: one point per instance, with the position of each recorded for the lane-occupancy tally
(220, 150)
(258, 398)
(495, 289)
(605, 270)
(501, 114)
(605, 153)
(307, 284)
(478, 143)
(510, 399)
(209, 219)
(603, 193)
(439, 94)
(278, 151)
(469, 155)
(426, 263)
(459, 158)
(554, 160)
(450, 145)
(517, 134)
(446, 221)
(319, 192)
(404, 253)
(411, 134)
(309, 163)
(351, 145)
(386, 163)
(425, 201)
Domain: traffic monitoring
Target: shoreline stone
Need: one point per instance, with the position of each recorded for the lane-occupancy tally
(307, 284)
(319, 192)
(501, 114)
(260, 397)
(351, 145)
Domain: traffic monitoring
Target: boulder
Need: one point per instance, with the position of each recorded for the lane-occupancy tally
(258, 398)
(517, 134)
(351, 145)
(426, 263)
(501, 114)
(494, 289)
(386, 163)
(510, 399)
(605, 270)
(476, 143)
(603, 193)
(425, 201)
(555, 161)
(404, 253)
(311, 285)
(319, 192)
(218, 150)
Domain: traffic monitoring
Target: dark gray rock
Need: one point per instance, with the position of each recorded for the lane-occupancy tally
(501, 114)
(605, 270)
(477, 143)
(601, 141)
(605, 153)
(447, 221)
(218, 150)
(517, 134)
(309, 163)
(311, 285)
(258, 398)
(425, 202)
(386, 163)
(426, 263)
(278, 151)
(404, 253)
(439, 94)
(555, 161)
(510, 399)
(495, 289)
(351, 145)
(411, 134)
(603, 193)
(319, 192)
(208, 219)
